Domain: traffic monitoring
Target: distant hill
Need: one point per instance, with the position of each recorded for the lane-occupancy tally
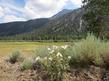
(63, 27)
(13, 28)
(63, 24)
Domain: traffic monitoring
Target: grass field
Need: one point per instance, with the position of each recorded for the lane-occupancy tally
(26, 48)
(83, 60)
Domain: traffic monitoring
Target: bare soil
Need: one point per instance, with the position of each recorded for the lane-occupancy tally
(12, 72)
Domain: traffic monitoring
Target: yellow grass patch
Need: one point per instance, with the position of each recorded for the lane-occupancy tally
(25, 47)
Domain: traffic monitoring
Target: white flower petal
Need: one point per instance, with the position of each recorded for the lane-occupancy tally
(49, 49)
(69, 57)
(37, 58)
(64, 47)
(59, 54)
(50, 59)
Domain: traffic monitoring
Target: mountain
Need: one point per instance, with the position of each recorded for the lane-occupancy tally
(61, 13)
(65, 23)
(68, 24)
(63, 27)
(13, 28)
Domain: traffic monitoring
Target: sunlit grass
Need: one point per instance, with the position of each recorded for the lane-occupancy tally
(25, 47)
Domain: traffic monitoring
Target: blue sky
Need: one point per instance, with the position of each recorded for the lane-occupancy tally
(22, 10)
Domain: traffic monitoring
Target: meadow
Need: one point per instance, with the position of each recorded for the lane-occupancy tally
(83, 60)
(26, 48)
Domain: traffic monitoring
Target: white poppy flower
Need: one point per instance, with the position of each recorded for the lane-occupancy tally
(59, 54)
(49, 49)
(69, 57)
(64, 47)
(50, 59)
(37, 58)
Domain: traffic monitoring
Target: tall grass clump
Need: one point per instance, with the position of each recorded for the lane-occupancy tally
(15, 57)
(41, 52)
(89, 51)
(27, 64)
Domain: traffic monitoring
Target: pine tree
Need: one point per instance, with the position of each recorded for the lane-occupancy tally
(94, 16)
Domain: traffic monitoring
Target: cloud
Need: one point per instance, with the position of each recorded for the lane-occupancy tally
(41, 8)
(10, 18)
(1, 12)
(78, 3)
(32, 9)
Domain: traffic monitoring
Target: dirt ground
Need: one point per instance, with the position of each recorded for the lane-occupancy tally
(11, 72)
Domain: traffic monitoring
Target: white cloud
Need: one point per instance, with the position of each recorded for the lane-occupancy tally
(1, 12)
(32, 9)
(10, 18)
(43, 8)
(78, 3)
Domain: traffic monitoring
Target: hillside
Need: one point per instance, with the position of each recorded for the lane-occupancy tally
(65, 23)
(13, 28)
(61, 13)
(64, 27)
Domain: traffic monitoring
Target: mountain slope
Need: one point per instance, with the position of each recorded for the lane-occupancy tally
(13, 28)
(63, 26)
(67, 24)
(61, 13)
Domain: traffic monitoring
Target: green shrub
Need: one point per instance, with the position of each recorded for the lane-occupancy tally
(41, 52)
(88, 51)
(15, 56)
(27, 64)
(56, 64)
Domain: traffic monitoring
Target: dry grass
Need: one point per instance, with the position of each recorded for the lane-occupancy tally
(10, 72)
(87, 48)
(25, 47)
